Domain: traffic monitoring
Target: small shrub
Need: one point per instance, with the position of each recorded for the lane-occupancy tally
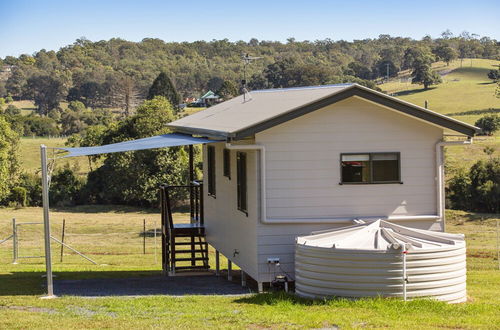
(489, 124)
(12, 110)
(477, 190)
(18, 196)
(65, 188)
(32, 183)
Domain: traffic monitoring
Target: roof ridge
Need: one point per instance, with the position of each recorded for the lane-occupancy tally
(271, 90)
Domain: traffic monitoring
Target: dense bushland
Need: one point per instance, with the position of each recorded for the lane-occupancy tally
(118, 74)
(477, 189)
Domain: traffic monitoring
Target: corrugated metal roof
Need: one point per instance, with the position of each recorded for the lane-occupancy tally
(258, 110)
(237, 113)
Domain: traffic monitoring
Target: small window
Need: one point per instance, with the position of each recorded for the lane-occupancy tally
(371, 168)
(211, 170)
(227, 163)
(241, 178)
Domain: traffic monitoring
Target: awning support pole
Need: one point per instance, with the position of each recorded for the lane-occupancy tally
(191, 179)
(46, 222)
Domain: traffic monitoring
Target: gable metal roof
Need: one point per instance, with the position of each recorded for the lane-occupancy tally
(262, 109)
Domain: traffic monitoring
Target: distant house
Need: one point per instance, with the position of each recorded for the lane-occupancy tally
(209, 98)
(286, 162)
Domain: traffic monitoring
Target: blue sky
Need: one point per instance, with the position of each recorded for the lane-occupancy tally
(27, 26)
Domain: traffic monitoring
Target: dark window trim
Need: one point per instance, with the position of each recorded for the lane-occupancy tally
(241, 207)
(226, 155)
(371, 168)
(211, 171)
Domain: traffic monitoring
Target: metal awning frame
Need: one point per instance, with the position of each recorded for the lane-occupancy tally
(47, 171)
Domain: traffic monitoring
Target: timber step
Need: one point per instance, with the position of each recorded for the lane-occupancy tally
(191, 251)
(189, 237)
(189, 243)
(192, 259)
(191, 267)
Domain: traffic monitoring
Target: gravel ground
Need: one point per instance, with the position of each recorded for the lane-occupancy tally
(172, 286)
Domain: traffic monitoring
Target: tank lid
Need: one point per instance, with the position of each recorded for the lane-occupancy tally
(381, 235)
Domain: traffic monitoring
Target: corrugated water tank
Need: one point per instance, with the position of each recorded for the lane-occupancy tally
(381, 259)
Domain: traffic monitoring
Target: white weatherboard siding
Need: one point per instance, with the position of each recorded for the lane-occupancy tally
(229, 229)
(303, 173)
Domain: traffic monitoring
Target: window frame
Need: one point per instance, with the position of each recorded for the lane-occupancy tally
(211, 177)
(226, 163)
(370, 157)
(243, 207)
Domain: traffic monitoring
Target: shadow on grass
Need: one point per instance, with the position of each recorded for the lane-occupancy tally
(279, 297)
(475, 112)
(413, 91)
(376, 303)
(462, 218)
(34, 282)
(21, 284)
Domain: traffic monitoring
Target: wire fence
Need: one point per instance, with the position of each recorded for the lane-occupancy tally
(124, 241)
(112, 241)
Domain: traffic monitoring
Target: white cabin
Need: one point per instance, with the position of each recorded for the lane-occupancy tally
(299, 160)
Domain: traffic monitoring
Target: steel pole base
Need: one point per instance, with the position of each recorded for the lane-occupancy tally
(49, 297)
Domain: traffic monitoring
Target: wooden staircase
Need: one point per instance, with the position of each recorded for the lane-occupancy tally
(184, 245)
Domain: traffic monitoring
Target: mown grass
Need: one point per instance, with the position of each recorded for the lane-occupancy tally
(29, 153)
(21, 285)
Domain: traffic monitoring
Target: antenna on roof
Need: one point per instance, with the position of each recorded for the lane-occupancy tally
(247, 59)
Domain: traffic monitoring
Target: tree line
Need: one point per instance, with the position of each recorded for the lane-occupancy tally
(117, 74)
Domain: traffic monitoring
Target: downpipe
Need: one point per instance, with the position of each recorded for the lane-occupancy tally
(440, 193)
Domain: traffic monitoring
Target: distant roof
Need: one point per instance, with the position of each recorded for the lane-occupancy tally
(209, 95)
(262, 109)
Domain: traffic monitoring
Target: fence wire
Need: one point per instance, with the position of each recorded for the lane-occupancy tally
(110, 241)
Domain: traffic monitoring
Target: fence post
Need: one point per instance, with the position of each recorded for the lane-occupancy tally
(14, 241)
(144, 236)
(62, 238)
(156, 258)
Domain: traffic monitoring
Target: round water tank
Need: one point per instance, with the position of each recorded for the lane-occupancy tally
(381, 259)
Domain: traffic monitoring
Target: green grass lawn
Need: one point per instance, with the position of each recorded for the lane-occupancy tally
(99, 229)
(29, 152)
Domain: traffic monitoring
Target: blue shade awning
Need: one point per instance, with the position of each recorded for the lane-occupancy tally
(160, 141)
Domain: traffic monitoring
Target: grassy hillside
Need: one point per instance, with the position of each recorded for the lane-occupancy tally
(465, 94)
(29, 152)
